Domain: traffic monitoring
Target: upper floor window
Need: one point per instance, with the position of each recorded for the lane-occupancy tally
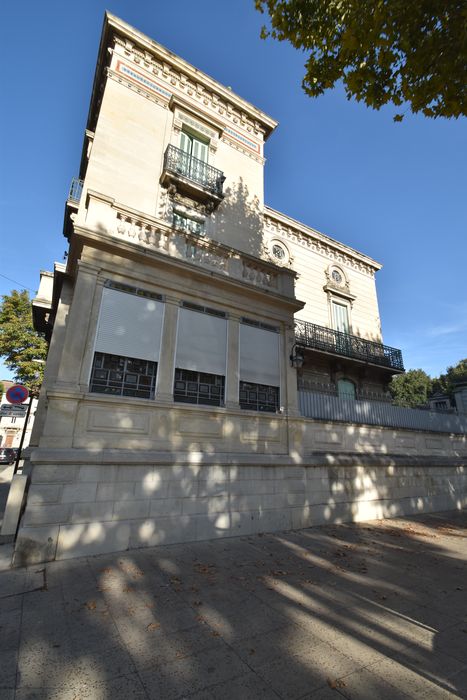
(194, 146)
(187, 223)
(340, 317)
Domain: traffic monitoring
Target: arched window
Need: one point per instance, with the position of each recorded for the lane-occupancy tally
(346, 389)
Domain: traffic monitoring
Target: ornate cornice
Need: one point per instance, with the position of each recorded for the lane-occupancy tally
(318, 243)
(186, 82)
(155, 84)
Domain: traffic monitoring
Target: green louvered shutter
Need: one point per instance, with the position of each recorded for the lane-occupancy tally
(340, 317)
(199, 150)
(185, 143)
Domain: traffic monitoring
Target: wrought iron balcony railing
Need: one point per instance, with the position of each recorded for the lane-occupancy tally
(327, 340)
(182, 164)
(76, 188)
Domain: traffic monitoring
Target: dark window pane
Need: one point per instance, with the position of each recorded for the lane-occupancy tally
(123, 376)
(200, 387)
(258, 397)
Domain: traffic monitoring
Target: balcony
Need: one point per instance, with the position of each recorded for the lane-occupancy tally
(72, 205)
(193, 177)
(76, 189)
(105, 217)
(332, 342)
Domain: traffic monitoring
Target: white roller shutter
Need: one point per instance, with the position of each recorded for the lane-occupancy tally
(130, 325)
(201, 342)
(259, 356)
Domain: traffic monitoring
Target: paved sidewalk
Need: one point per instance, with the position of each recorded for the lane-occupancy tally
(371, 611)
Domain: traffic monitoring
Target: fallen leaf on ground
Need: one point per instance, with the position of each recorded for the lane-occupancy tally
(153, 626)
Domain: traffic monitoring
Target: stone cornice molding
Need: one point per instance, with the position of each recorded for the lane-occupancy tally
(280, 225)
(133, 234)
(250, 144)
(176, 101)
(113, 75)
(180, 73)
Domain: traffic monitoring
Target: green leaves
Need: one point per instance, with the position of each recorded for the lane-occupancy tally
(415, 386)
(382, 50)
(20, 345)
(411, 389)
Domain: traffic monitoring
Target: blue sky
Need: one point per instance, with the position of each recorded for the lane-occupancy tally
(397, 192)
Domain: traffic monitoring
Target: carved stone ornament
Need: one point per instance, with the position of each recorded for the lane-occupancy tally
(317, 243)
(337, 283)
(278, 253)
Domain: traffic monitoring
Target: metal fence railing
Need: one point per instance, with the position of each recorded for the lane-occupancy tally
(333, 408)
(310, 335)
(179, 162)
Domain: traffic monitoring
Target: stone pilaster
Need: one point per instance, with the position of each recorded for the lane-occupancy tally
(233, 362)
(289, 397)
(166, 366)
(77, 328)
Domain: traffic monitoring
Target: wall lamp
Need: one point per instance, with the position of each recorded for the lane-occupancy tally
(297, 357)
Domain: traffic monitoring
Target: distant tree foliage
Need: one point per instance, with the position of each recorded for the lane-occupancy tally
(384, 51)
(20, 344)
(445, 383)
(411, 389)
(2, 389)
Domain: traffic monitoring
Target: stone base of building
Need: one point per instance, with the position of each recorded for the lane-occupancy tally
(84, 503)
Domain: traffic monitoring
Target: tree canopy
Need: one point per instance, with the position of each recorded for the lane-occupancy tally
(384, 51)
(411, 389)
(415, 387)
(20, 344)
(445, 383)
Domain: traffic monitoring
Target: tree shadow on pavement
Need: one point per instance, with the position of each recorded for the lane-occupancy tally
(374, 610)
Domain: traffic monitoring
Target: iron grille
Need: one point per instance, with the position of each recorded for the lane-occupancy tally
(123, 376)
(310, 335)
(76, 189)
(259, 397)
(181, 163)
(199, 387)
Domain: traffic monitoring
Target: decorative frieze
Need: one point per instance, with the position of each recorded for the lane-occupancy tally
(322, 246)
(184, 82)
(160, 82)
(258, 275)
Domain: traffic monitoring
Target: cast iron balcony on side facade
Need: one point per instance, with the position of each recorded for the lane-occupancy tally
(327, 340)
(193, 176)
(72, 204)
(76, 188)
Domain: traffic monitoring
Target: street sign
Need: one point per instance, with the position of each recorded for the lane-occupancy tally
(17, 394)
(13, 411)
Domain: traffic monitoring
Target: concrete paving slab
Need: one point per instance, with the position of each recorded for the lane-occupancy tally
(372, 610)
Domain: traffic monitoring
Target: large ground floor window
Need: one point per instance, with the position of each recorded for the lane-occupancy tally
(199, 387)
(259, 397)
(123, 376)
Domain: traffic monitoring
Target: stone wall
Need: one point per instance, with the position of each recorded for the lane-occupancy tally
(84, 502)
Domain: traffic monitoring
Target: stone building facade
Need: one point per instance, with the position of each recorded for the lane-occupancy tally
(183, 327)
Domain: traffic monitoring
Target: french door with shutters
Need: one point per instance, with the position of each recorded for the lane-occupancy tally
(196, 158)
(340, 320)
